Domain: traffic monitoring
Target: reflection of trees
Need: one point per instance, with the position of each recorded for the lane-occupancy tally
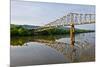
(19, 41)
(15, 41)
(64, 48)
(47, 40)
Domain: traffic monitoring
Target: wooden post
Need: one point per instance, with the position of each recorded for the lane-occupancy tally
(72, 35)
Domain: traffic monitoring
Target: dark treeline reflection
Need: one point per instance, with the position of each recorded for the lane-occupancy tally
(19, 41)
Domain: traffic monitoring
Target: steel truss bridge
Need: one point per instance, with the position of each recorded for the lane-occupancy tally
(70, 19)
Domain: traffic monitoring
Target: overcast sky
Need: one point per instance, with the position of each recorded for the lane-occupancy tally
(39, 13)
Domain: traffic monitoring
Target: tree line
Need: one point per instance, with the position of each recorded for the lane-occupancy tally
(20, 31)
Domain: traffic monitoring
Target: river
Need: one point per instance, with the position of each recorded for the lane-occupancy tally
(36, 50)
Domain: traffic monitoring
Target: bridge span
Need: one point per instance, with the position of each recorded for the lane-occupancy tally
(70, 19)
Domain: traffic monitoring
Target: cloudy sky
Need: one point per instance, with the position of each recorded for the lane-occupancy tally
(40, 13)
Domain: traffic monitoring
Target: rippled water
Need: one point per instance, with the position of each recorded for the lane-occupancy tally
(52, 49)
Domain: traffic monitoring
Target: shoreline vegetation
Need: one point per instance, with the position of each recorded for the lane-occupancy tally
(29, 30)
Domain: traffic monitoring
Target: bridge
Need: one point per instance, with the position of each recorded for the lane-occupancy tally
(75, 18)
(70, 19)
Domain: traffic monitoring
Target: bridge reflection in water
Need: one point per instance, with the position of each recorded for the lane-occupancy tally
(83, 50)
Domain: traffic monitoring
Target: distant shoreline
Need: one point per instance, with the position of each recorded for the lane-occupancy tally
(27, 30)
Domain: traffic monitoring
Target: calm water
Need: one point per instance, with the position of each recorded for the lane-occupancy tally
(52, 49)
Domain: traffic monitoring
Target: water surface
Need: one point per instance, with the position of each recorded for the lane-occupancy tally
(52, 49)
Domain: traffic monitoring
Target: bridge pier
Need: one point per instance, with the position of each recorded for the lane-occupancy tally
(72, 35)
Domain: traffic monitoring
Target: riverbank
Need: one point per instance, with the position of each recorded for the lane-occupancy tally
(16, 30)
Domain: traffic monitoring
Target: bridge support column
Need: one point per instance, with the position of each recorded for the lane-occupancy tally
(72, 35)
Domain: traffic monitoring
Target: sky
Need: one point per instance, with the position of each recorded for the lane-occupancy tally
(41, 13)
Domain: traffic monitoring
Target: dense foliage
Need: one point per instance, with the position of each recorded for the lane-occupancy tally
(22, 31)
